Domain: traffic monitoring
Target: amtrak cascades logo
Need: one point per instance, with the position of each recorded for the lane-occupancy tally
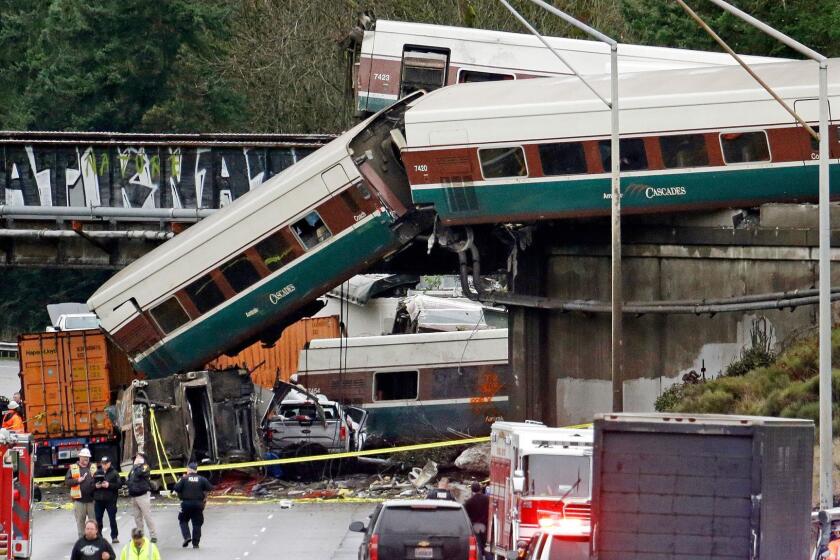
(652, 192)
(275, 297)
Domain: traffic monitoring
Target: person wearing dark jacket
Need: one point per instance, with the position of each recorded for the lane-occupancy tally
(139, 488)
(442, 491)
(105, 496)
(192, 489)
(91, 546)
(478, 510)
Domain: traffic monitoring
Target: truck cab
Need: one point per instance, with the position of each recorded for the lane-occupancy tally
(540, 480)
(17, 463)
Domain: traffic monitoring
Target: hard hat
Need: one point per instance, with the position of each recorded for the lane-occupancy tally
(13, 405)
(84, 452)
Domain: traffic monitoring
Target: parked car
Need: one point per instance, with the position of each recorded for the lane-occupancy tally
(413, 529)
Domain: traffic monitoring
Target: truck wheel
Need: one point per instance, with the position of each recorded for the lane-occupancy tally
(308, 472)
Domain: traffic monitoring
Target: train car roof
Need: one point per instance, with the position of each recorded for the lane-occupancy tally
(638, 57)
(223, 220)
(449, 108)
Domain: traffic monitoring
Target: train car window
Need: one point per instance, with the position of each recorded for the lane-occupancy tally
(423, 68)
(311, 230)
(395, 385)
(275, 252)
(469, 76)
(562, 158)
(503, 162)
(170, 315)
(684, 150)
(360, 200)
(632, 153)
(744, 147)
(240, 273)
(832, 139)
(205, 294)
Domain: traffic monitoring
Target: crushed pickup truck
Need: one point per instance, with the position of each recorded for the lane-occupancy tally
(299, 423)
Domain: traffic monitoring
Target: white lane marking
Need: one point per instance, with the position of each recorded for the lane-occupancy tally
(253, 542)
(262, 530)
(270, 516)
(246, 554)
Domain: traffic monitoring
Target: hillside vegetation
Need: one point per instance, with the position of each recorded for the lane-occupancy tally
(786, 385)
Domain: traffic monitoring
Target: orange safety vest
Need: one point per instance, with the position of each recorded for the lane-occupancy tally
(13, 422)
(834, 549)
(76, 474)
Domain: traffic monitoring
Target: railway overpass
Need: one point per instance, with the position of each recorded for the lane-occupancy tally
(103, 199)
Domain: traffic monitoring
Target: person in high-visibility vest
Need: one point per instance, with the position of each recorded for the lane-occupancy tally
(139, 548)
(12, 420)
(834, 544)
(80, 480)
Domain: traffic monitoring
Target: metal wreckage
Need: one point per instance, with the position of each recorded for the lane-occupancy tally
(222, 416)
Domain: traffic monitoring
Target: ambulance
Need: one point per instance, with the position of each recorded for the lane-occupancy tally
(540, 480)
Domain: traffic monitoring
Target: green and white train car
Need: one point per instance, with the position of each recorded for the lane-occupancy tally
(248, 271)
(540, 149)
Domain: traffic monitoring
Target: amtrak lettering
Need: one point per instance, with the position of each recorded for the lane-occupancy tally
(281, 293)
(652, 192)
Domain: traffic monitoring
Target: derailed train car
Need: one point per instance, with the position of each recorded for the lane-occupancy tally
(246, 273)
(204, 416)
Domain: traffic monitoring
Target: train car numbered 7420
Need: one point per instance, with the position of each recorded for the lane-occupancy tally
(245, 273)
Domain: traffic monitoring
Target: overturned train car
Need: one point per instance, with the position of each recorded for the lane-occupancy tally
(204, 416)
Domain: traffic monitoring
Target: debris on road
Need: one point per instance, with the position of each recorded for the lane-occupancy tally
(475, 459)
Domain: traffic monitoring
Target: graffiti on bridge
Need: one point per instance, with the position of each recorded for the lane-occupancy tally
(145, 176)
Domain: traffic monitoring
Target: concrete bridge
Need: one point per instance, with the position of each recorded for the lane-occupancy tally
(103, 199)
(697, 289)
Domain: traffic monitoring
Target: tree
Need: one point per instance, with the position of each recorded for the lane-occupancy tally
(815, 23)
(127, 65)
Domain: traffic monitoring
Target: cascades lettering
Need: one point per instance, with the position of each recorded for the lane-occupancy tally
(281, 293)
(652, 192)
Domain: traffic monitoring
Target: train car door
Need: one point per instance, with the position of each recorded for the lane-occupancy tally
(423, 68)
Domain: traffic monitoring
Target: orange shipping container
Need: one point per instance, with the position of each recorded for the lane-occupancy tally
(68, 378)
(281, 360)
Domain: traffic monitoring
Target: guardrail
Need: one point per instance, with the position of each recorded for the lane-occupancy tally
(8, 350)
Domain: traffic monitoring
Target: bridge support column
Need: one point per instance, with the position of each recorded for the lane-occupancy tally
(527, 342)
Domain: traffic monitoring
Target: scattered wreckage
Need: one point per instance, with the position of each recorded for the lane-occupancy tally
(215, 417)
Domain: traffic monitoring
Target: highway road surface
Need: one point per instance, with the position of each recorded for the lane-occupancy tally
(9, 380)
(232, 530)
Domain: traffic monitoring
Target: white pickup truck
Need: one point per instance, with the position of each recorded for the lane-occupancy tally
(299, 423)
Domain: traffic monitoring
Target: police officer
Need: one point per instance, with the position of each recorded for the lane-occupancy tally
(192, 489)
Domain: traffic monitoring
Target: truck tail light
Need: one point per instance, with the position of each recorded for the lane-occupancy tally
(342, 433)
(373, 547)
(473, 548)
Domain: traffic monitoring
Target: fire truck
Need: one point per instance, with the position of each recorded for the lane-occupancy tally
(16, 486)
(540, 480)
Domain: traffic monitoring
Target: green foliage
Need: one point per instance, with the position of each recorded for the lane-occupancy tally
(27, 291)
(787, 387)
(813, 22)
(115, 65)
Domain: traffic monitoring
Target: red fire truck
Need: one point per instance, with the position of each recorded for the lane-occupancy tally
(540, 479)
(16, 486)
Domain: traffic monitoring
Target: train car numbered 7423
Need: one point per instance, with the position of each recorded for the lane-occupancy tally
(245, 273)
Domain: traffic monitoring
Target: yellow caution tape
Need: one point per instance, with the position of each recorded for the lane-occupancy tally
(323, 457)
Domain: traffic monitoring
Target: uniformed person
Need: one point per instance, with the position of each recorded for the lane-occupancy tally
(12, 419)
(192, 489)
(139, 487)
(80, 480)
